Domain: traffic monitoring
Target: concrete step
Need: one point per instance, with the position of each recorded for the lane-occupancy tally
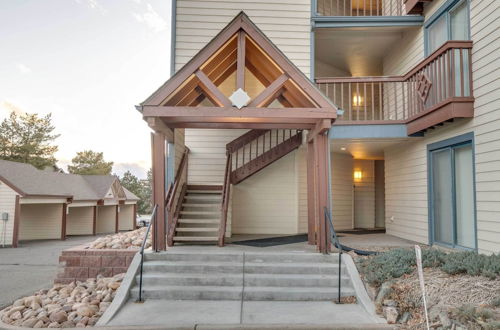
(291, 258)
(197, 229)
(195, 238)
(192, 267)
(291, 268)
(294, 280)
(197, 205)
(172, 292)
(193, 258)
(188, 279)
(295, 294)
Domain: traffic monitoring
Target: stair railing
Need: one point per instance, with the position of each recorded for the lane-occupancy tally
(151, 223)
(174, 200)
(258, 148)
(329, 227)
(225, 199)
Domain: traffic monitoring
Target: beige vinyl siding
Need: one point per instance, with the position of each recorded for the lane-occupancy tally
(207, 156)
(199, 21)
(364, 194)
(406, 165)
(8, 205)
(40, 221)
(80, 220)
(266, 202)
(179, 146)
(342, 190)
(106, 219)
(126, 217)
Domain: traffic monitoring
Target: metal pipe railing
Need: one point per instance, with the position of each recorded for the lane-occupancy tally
(151, 222)
(328, 218)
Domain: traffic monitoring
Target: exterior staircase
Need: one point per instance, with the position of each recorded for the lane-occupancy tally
(242, 276)
(199, 218)
(199, 213)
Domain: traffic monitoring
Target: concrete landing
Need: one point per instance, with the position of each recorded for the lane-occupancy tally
(179, 313)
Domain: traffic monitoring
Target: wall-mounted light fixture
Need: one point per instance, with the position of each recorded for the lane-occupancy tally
(358, 175)
(357, 100)
(343, 148)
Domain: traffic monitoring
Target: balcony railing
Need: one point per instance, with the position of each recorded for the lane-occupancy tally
(445, 77)
(360, 7)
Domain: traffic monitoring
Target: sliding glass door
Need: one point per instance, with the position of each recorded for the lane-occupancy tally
(452, 194)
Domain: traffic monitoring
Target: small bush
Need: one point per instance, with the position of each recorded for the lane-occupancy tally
(397, 262)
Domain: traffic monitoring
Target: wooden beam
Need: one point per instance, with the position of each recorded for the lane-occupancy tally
(94, 221)
(159, 126)
(158, 171)
(266, 96)
(240, 69)
(17, 220)
(212, 91)
(311, 208)
(244, 113)
(63, 224)
(321, 127)
(243, 125)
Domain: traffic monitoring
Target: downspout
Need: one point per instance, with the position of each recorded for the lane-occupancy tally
(312, 42)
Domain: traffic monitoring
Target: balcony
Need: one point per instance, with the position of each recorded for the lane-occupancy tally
(437, 90)
(364, 13)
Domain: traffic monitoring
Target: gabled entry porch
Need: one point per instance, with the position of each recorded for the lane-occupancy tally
(239, 80)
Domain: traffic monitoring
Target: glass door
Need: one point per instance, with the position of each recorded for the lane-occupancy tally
(452, 193)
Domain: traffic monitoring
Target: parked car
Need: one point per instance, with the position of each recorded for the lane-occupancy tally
(142, 220)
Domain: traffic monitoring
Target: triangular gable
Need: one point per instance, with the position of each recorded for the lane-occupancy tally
(234, 76)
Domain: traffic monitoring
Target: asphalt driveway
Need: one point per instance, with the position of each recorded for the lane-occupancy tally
(32, 266)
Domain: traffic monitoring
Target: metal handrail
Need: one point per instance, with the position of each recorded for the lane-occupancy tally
(328, 218)
(152, 220)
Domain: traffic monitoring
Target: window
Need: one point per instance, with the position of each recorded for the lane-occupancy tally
(451, 22)
(451, 192)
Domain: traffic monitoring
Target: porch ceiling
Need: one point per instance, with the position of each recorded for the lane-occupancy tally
(365, 148)
(239, 80)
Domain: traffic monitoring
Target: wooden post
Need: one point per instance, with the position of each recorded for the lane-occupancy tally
(158, 153)
(311, 208)
(117, 220)
(63, 226)
(17, 219)
(321, 143)
(94, 221)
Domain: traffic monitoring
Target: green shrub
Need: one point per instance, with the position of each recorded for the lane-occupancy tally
(397, 262)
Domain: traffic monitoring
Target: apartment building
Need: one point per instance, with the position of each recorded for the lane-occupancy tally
(382, 113)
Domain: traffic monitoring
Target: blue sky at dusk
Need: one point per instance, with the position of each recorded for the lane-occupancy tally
(88, 62)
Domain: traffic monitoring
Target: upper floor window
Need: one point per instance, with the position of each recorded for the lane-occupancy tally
(449, 23)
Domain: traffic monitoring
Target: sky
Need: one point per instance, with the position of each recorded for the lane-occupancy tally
(88, 62)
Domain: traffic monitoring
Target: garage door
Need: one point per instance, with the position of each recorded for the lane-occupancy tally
(106, 219)
(126, 217)
(80, 220)
(40, 221)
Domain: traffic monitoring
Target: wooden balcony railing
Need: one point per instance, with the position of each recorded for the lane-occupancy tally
(360, 7)
(443, 78)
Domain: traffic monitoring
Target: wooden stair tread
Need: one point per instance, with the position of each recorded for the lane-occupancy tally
(200, 221)
(196, 238)
(197, 229)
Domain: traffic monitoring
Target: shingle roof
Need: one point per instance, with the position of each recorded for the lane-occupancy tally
(130, 195)
(30, 181)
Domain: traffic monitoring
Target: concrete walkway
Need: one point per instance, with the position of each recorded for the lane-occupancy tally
(186, 313)
(32, 266)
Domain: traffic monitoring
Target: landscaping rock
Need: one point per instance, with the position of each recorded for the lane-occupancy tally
(77, 304)
(405, 317)
(391, 314)
(126, 240)
(384, 292)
